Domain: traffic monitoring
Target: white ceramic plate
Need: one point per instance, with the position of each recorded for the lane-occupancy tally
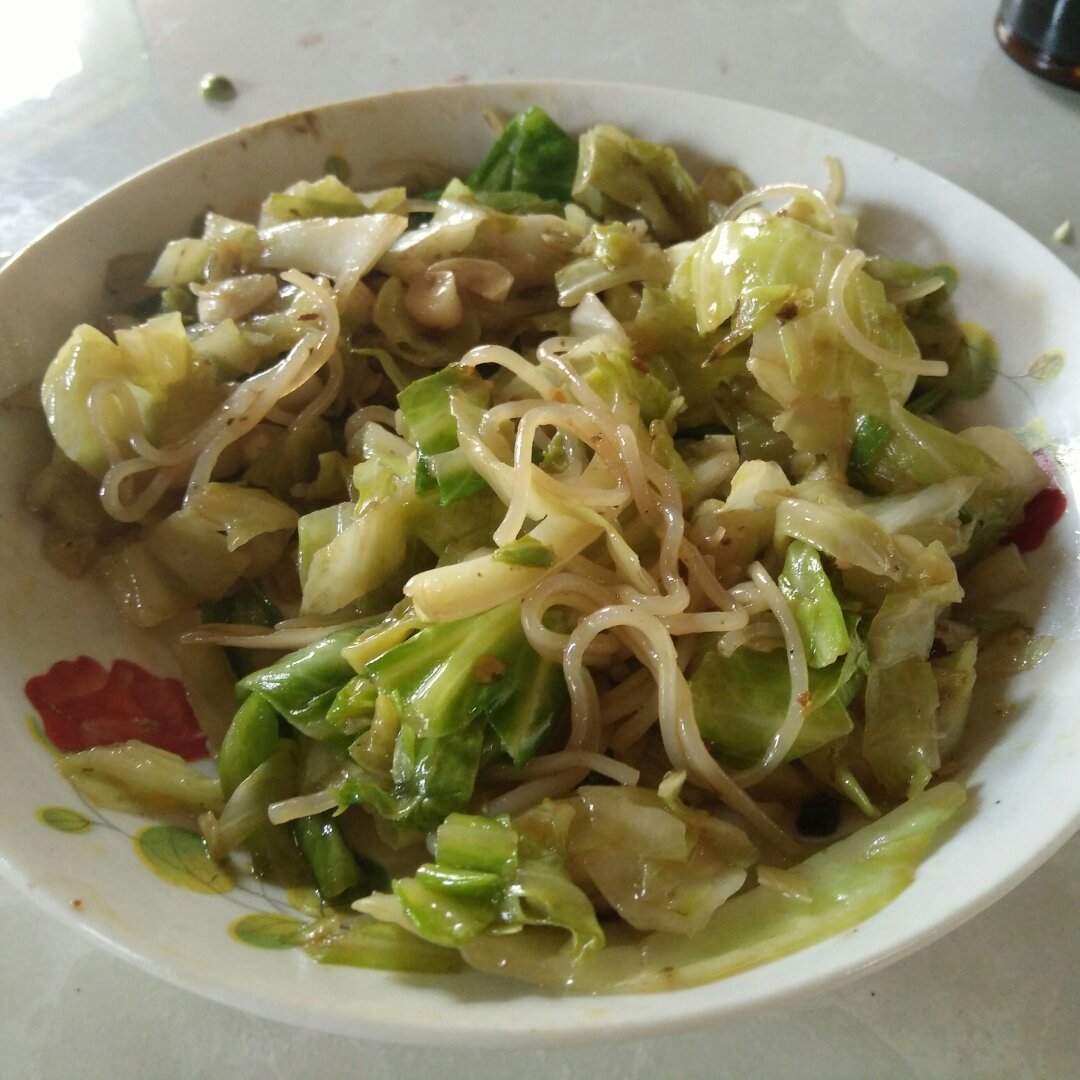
(1022, 769)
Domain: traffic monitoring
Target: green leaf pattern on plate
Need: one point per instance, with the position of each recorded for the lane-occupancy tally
(1046, 366)
(64, 820)
(267, 931)
(181, 858)
(37, 733)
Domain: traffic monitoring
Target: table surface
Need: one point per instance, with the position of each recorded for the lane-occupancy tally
(93, 90)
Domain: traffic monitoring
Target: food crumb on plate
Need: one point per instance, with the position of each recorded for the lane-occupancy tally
(218, 89)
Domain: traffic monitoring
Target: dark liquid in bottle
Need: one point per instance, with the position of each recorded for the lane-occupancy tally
(1043, 36)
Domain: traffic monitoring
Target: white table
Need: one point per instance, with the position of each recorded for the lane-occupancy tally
(93, 90)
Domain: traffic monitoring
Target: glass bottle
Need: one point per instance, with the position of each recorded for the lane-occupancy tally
(1042, 36)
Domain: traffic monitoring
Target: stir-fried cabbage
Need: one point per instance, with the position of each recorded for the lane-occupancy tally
(603, 591)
